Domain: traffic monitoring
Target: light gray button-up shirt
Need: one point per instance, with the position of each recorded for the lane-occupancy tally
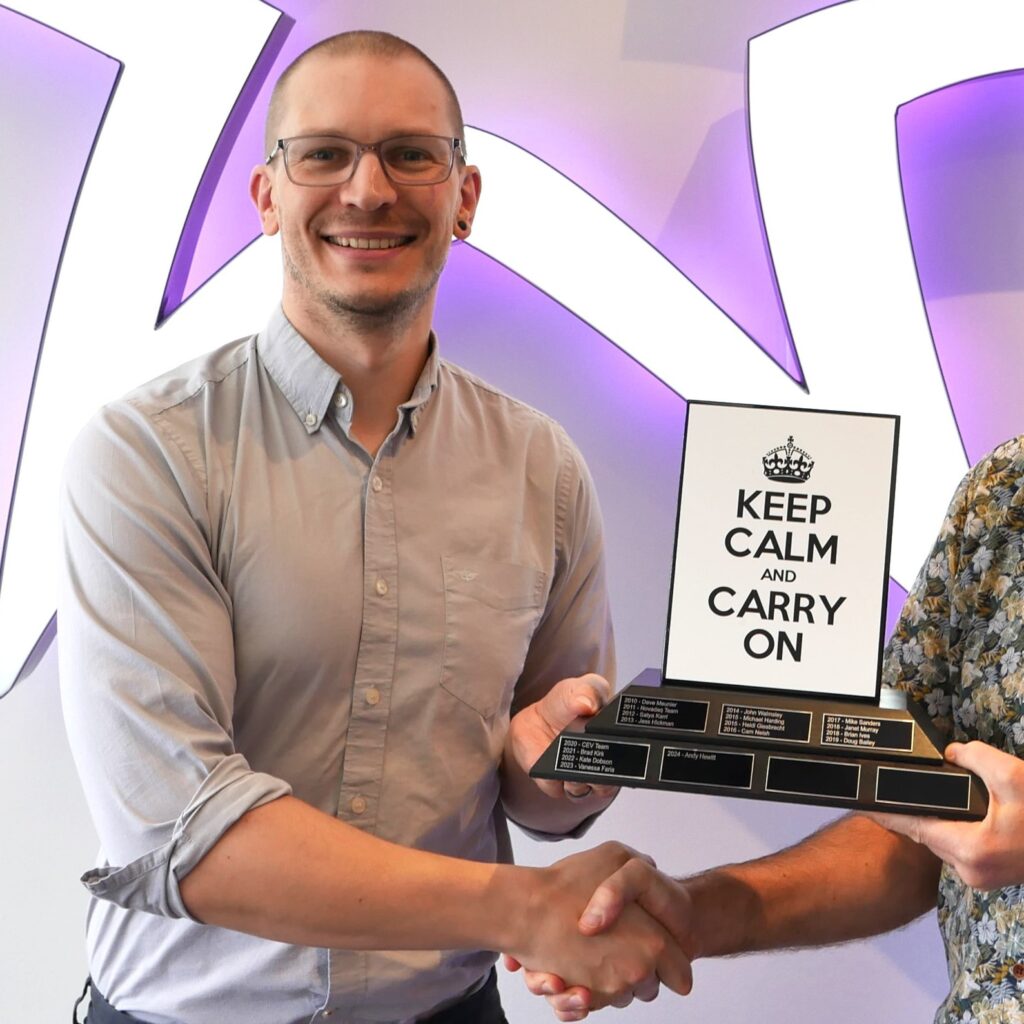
(254, 606)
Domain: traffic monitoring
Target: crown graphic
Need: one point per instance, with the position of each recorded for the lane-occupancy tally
(787, 463)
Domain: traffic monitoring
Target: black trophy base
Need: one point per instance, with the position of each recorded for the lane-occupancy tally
(779, 747)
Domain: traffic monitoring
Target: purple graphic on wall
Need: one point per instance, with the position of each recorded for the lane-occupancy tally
(221, 222)
(714, 233)
(206, 246)
(49, 78)
(961, 152)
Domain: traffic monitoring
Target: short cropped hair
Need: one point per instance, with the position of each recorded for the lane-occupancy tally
(374, 44)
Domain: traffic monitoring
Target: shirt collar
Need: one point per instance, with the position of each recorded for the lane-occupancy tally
(303, 377)
(309, 383)
(426, 385)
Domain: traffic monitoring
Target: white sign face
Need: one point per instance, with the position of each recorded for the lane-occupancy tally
(781, 560)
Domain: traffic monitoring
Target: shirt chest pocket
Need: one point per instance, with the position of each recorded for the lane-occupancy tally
(490, 612)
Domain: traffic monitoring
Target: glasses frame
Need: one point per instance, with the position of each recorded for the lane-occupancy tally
(456, 148)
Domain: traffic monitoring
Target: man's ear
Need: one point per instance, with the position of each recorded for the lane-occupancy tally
(261, 191)
(469, 196)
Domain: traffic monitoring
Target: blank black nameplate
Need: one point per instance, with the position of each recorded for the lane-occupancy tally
(663, 713)
(812, 778)
(763, 723)
(707, 767)
(924, 789)
(864, 732)
(611, 758)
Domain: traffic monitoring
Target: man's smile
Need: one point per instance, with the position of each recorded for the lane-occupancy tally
(362, 242)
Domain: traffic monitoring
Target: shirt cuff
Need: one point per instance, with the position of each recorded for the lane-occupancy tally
(150, 882)
(576, 832)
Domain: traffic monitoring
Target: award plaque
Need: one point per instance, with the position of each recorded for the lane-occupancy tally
(771, 682)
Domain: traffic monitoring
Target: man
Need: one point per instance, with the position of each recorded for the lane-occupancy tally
(326, 599)
(959, 649)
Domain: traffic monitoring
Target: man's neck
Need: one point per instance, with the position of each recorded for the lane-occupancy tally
(380, 363)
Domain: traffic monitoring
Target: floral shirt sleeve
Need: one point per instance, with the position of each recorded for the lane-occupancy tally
(959, 649)
(923, 654)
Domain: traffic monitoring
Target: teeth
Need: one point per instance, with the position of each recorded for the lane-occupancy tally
(366, 243)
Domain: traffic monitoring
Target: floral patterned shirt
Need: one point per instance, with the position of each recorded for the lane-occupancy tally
(959, 648)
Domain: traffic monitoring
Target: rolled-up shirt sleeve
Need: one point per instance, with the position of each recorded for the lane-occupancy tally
(147, 661)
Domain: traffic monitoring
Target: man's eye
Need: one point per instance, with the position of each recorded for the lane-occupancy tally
(324, 155)
(408, 158)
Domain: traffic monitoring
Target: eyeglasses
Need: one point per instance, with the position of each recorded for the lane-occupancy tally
(333, 159)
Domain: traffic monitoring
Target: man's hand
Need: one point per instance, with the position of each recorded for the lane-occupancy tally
(530, 733)
(623, 962)
(636, 883)
(986, 854)
(535, 728)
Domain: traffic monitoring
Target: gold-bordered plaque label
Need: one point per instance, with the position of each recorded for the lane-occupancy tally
(752, 722)
(678, 714)
(613, 759)
(865, 732)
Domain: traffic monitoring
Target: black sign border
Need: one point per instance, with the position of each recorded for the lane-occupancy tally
(751, 688)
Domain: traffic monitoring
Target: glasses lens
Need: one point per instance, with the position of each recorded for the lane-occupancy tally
(417, 159)
(331, 159)
(320, 160)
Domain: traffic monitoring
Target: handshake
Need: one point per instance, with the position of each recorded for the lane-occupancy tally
(602, 928)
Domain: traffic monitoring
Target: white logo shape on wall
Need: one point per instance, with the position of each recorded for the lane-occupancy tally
(835, 225)
(161, 126)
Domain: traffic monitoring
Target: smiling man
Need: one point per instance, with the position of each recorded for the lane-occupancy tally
(326, 598)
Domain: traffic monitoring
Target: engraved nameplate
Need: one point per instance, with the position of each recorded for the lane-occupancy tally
(707, 767)
(866, 732)
(662, 713)
(765, 723)
(611, 758)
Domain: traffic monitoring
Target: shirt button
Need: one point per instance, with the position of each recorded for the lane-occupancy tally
(310, 419)
(358, 805)
(372, 696)
(327, 1013)
(377, 484)
(381, 586)
(341, 399)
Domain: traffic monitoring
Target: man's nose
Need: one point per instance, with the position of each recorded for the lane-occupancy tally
(369, 188)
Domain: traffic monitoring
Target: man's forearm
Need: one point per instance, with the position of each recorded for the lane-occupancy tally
(851, 880)
(288, 872)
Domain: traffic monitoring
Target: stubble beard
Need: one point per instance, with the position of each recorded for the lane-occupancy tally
(368, 312)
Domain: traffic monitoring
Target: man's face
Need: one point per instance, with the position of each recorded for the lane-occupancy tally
(367, 99)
